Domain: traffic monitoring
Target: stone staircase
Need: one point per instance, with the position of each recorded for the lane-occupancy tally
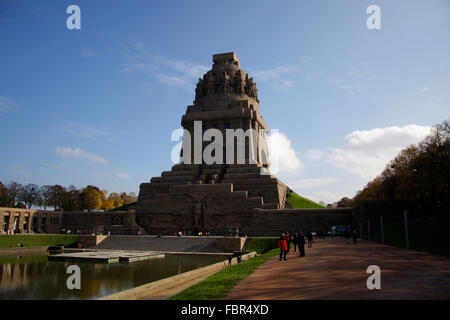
(153, 243)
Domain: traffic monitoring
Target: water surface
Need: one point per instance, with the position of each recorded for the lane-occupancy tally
(34, 277)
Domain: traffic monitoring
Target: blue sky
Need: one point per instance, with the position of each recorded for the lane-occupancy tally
(98, 105)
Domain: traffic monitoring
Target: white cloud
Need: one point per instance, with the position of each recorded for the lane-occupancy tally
(123, 175)
(366, 152)
(425, 90)
(171, 80)
(311, 183)
(49, 165)
(325, 196)
(282, 155)
(273, 73)
(172, 73)
(283, 85)
(79, 153)
(348, 88)
(18, 168)
(315, 154)
(7, 104)
(84, 131)
(187, 68)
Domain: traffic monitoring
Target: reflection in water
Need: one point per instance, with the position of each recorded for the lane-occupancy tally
(34, 277)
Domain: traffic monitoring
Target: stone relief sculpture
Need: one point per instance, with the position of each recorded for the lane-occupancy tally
(226, 83)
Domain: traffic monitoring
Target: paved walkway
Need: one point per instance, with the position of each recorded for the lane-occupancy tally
(334, 270)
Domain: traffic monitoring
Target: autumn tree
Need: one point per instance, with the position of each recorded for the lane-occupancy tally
(57, 196)
(419, 176)
(72, 200)
(345, 203)
(91, 198)
(128, 198)
(28, 194)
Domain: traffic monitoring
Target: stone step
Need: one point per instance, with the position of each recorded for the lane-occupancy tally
(252, 181)
(245, 175)
(152, 243)
(244, 169)
(212, 171)
(180, 173)
(181, 179)
(270, 206)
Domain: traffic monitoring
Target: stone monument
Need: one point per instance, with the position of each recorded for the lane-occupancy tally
(197, 195)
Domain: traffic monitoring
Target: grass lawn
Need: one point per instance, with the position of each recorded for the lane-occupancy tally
(218, 285)
(293, 200)
(34, 240)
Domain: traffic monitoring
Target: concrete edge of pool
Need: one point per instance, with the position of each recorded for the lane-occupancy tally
(174, 283)
(107, 256)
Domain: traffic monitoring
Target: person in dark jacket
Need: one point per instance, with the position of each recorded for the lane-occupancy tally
(310, 239)
(355, 237)
(282, 244)
(301, 244)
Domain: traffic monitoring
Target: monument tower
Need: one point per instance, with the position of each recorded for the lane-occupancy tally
(197, 195)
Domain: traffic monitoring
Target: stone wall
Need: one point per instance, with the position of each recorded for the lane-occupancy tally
(21, 221)
(272, 222)
(217, 210)
(115, 222)
(223, 219)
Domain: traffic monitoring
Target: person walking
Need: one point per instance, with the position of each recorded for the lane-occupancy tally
(310, 239)
(288, 241)
(295, 240)
(301, 244)
(282, 244)
(355, 237)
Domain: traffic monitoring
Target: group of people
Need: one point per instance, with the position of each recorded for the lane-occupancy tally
(285, 240)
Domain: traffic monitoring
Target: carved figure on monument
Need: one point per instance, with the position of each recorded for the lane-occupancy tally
(226, 85)
(240, 88)
(196, 210)
(249, 88)
(255, 92)
(199, 89)
(210, 85)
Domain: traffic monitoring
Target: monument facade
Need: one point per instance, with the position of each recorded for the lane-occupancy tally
(197, 195)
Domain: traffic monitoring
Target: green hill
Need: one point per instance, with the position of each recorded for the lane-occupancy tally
(295, 201)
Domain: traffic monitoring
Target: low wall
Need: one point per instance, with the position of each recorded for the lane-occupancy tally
(174, 281)
(269, 222)
(115, 222)
(90, 241)
(23, 251)
(253, 222)
(231, 244)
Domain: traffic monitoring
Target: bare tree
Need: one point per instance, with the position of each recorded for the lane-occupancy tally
(28, 194)
(45, 194)
(13, 193)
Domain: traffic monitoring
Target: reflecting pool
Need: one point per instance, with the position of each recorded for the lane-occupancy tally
(34, 277)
